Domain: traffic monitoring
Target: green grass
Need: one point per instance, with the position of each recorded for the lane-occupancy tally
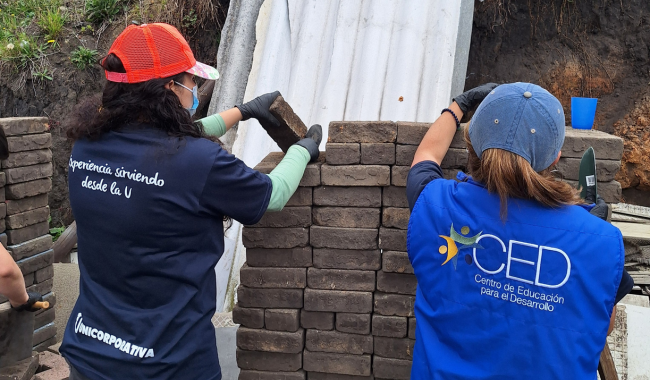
(98, 11)
(51, 22)
(82, 57)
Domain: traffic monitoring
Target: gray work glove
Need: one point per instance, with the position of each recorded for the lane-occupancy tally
(258, 108)
(468, 99)
(600, 209)
(28, 306)
(312, 141)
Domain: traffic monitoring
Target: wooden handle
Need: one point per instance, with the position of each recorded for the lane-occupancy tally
(41, 305)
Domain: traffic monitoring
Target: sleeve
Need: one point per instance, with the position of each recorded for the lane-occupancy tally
(627, 283)
(214, 125)
(235, 190)
(286, 176)
(419, 177)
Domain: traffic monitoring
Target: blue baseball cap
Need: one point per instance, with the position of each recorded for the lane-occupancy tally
(522, 118)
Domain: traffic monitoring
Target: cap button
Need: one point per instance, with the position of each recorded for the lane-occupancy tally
(527, 94)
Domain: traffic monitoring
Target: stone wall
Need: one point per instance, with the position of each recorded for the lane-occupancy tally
(328, 291)
(25, 179)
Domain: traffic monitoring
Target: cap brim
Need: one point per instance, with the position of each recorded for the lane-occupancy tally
(204, 71)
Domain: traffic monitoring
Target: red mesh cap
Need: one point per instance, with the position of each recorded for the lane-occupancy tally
(152, 51)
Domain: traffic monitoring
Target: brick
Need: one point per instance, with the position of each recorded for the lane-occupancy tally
(455, 158)
(30, 157)
(302, 197)
(343, 238)
(394, 327)
(264, 375)
(404, 154)
(607, 147)
(355, 175)
(397, 348)
(3, 210)
(345, 364)
(30, 247)
(2, 194)
(340, 279)
(393, 369)
(338, 342)
(3, 240)
(15, 126)
(43, 333)
(26, 204)
(275, 237)
(353, 217)
(270, 298)
(44, 346)
(3, 225)
(326, 258)
(377, 154)
(29, 142)
(278, 278)
(311, 176)
(396, 262)
(395, 217)
(27, 189)
(28, 218)
(316, 320)
(610, 191)
(22, 235)
(3, 179)
(398, 175)
(393, 196)
(412, 134)
(396, 283)
(362, 132)
(29, 279)
(283, 257)
(335, 376)
(288, 217)
(290, 130)
(412, 325)
(343, 153)
(270, 341)
(605, 169)
(282, 319)
(347, 196)
(353, 323)
(392, 239)
(28, 173)
(36, 262)
(394, 304)
(268, 361)
(249, 317)
(338, 301)
(42, 287)
(44, 318)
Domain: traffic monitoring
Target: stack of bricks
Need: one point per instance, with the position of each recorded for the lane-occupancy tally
(26, 178)
(327, 292)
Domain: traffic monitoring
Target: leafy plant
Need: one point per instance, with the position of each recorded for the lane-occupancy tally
(189, 20)
(56, 233)
(87, 28)
(98, 11)
(82, 57)
(43, 74)
(52, 21)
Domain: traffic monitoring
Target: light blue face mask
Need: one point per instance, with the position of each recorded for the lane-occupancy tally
(194, 90)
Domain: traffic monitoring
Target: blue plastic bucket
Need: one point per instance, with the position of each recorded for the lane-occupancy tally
(583, 112)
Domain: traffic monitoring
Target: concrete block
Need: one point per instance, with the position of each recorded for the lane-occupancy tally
(28, 173)
(396, 283)
(288, 217)
(278, 278)
(3, 209)
(362, 132)
(343, 153)
(395, 217)
(345, 364)
(270, 298)
(264, 375)
(397, 348)
(340, 279)
(29, 142)
(352, 217)
(326, 258)
(347, 196)
(45, 346)
(399, 175)
(412, 325)
(355, 175)
(270, 341)
(302, 197)
(249, 317)
(43, 333)
(21, 370)
(393, 196)
(44, 318)
(16, 126)
(36, 262)
(26, 204)
(394, 304)
(404, 154)
(3, 179)
(610, 191)
(27, 189)
(606, 146)
(43, 288)
(353, 323)
(392, 239)
(455, 159)
(343, 238)
(30, 247)
(275, 237)
(3, 225)
(394, 327)
(396, 262)
(316, 320)
(291, 129)
(27, 158)
(411, 133)
(338, 342)
(3, 240)
(29, 279)
(288, 257)
(311, 176)
(335, 376)
(282, 319)
(393, 369)
(22, 235)
(338, 301)
(268, 361)
(377, 154)
(28, 218)
(605, 169)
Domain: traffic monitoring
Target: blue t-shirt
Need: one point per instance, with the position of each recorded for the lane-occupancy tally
(149, 210)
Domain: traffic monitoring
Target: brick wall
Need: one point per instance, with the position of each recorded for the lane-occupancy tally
(25, 179)
(328, 291)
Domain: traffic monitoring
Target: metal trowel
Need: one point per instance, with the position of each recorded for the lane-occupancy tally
(587, 176)
(16, 339)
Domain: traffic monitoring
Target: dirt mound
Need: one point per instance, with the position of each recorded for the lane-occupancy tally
(635, 171)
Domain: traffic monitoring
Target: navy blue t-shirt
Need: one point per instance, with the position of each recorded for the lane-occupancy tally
(426, 171)
(149, 210)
